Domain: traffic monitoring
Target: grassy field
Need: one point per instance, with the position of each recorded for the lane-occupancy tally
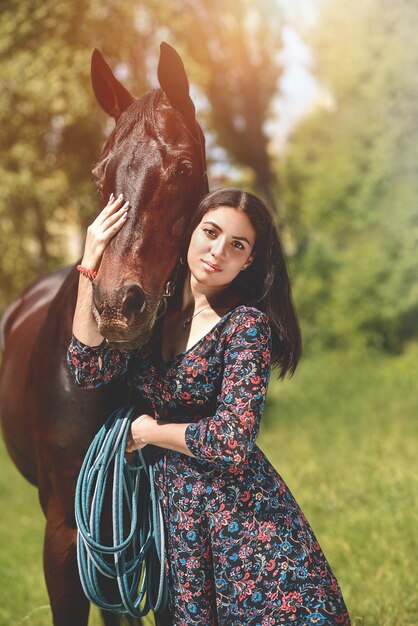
(343, 434)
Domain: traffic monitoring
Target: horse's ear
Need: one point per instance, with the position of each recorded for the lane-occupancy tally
(110, 93)
(173, 81)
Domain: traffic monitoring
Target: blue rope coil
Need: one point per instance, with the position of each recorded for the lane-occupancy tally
(135, 558)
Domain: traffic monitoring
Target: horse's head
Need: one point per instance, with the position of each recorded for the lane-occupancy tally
(155, 156)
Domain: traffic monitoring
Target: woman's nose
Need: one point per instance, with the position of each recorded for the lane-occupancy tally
(218, 248)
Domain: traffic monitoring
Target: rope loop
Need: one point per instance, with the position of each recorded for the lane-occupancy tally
(130, 550)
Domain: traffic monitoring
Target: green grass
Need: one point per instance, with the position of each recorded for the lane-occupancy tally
(343, 434)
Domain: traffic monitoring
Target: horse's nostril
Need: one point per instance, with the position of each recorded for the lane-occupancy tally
(133, 301)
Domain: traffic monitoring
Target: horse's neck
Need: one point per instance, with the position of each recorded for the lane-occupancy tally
(37, 296)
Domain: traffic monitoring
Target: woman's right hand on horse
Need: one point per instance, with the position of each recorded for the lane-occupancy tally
(109, 222)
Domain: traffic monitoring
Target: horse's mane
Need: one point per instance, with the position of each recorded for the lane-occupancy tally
(144, 109)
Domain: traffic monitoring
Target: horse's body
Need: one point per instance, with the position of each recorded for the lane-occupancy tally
(156, 159)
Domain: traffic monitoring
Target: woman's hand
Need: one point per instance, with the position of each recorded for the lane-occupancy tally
(147, 430)
(109, 221)
(137, 437)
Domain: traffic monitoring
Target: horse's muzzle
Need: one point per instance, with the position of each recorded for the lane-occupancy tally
(122, 316)
(133, 302)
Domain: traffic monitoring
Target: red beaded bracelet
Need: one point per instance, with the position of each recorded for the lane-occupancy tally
(90, 274)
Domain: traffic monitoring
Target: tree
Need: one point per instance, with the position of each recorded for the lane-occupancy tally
(234, 46)
(351, 178)
(51, 127)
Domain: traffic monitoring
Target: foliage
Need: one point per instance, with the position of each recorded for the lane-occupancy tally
(349, 178)
(235, 47)
(50, 126)
(351, 181)
(52, 129)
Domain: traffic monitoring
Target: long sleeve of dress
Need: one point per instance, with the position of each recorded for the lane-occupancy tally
(95, 366)
(228, 437)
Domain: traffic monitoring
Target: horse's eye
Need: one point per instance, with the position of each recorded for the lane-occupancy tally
(185, 168)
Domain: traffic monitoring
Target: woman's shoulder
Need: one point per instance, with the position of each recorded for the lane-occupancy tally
(244, 312)
(247, 316)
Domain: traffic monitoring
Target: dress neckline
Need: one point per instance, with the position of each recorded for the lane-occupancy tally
(199, 341)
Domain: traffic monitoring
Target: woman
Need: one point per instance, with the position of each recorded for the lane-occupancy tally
(240, 552)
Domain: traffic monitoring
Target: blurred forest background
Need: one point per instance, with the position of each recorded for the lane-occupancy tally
(342, 179)
(344, 184)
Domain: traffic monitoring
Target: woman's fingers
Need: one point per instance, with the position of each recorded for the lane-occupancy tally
(135, 438)
(102, 233)
(113, 205)
(114, 217)
(132, 445)
(106, 225)
(110, 219)
(116, 226)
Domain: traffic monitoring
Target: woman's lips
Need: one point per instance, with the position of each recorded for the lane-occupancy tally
(211, 267)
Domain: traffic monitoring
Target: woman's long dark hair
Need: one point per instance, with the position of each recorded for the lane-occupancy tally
(265, 283)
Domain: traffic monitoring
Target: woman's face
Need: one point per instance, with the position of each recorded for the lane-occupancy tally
(220, 246)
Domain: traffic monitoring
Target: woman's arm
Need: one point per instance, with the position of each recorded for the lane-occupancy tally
(227, 437)
(145, 429)
(94, 366)
(109, 221)
(91, 362)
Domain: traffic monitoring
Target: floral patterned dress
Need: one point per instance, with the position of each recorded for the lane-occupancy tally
(239, 549)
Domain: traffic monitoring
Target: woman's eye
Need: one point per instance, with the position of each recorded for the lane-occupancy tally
(209, 232)
(238, 245)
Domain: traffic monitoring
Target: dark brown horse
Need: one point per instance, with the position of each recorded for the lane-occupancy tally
(155, 156)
